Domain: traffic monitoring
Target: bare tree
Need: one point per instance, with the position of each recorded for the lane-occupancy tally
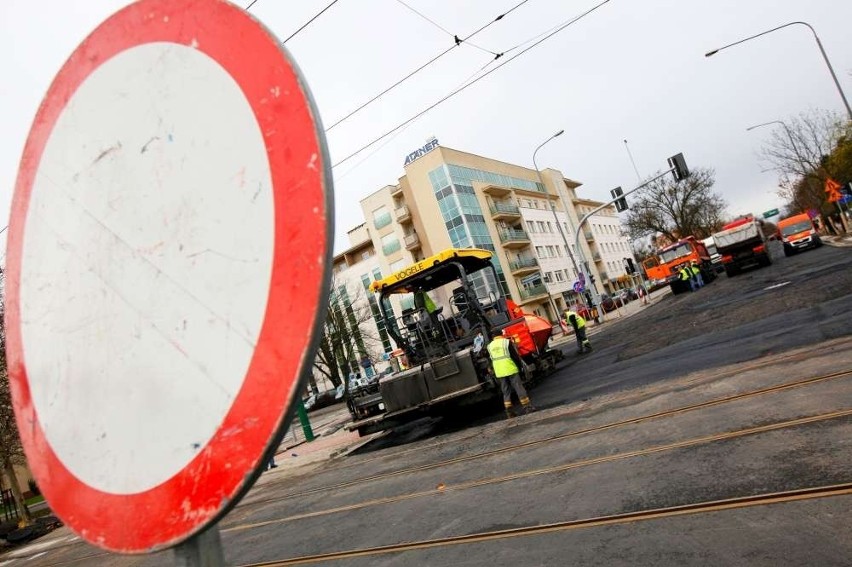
(804, 152)
(348, 333)
(677, 209)
(11, 451)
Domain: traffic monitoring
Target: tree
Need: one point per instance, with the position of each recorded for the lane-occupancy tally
(676, 209)
(346, 334)
(11, 451)
(807, 150)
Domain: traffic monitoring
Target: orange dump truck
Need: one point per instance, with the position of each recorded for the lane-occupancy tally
(671, 259)
(798, 233)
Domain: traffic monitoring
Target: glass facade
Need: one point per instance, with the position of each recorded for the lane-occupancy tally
(463, 216)
(374, 309)
(381, 217)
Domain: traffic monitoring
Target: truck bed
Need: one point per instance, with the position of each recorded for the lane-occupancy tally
(745, 235)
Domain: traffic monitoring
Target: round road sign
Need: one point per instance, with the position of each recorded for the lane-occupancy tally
(168, 262)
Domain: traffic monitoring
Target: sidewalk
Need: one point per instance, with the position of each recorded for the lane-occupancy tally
(620, 313)
(844, 241)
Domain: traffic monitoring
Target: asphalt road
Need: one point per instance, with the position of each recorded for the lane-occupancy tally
(697, 401)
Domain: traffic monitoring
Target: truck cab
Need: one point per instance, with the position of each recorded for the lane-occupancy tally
(798, 233)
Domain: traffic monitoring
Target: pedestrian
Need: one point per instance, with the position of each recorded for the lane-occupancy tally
(507, 365)
(643, 294)
(696, 273)
(270, 464)
(578, 323)
(367, 365)
(685, 274)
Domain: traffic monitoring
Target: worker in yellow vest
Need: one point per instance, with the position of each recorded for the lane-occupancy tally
(578, 323)
(507, 366)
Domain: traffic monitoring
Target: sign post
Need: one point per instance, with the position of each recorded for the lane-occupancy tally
(168, 266)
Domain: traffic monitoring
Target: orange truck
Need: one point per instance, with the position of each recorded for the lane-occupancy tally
(667, 263)
(798, 233)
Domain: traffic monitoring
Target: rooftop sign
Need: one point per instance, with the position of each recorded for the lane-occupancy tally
(420, 152)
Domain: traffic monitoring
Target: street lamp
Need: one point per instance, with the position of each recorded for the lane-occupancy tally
(821, 49)
(553, 209)
(786, 129)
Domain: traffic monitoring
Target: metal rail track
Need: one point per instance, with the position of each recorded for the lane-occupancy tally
(443, 489)
(774, 498)
(554, 438)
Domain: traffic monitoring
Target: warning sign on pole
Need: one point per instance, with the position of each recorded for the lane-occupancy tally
(168, 262)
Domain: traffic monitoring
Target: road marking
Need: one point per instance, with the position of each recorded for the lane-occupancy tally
(776, 286)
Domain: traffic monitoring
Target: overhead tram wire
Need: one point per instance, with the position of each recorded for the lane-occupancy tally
(443, 29)
(459, 41)
(306, 24)
(473, 82)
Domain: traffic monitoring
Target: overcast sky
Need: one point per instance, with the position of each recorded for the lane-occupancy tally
(632, 70)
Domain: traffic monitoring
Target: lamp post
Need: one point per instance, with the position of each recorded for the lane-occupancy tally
(786, 129)
(821, 49)
(553, 209)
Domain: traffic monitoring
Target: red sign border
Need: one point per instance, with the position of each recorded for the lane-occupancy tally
(225, 469)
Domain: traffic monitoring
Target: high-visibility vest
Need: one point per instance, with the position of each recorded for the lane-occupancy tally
(695, 270)
(498, 350)
(685, 273)
(580, 321)
(428, 304)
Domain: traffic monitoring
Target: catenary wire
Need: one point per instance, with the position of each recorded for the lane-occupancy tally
(306, 24)
(423, 66)
(459, 90)
(442, 28)
(253, 2)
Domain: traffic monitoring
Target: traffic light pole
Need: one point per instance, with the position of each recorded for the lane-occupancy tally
(596, 299)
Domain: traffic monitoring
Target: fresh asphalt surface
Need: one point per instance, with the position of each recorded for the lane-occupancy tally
(762, 328)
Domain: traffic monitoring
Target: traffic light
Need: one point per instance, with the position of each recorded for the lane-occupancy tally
(629, 267)
(620, 204)
(678, 164)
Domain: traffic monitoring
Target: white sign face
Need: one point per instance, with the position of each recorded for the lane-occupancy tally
(172, 209)
(167, 270)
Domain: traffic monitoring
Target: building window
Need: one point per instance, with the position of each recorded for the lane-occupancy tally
(530, 226)
(547, 277)
(558, 274)
(381, 217)
(550, 252)
(549, 227)
(558, 250)
(366, 254)
(397, 266)
(390, 244)
(540, 226)
(377, 273)
(539, 251)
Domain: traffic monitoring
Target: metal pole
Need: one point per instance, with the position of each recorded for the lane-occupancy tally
(605, 205)
(201, 550)
(555, 217)
(821, 49)
(304, 421)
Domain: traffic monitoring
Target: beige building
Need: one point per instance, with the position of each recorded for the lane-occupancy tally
(448, 198)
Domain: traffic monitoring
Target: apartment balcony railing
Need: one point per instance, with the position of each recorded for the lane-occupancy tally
(523, 266)
(514, 238)
(588, 234)
(412, 241)
(504, 211)
(402, 214)
(528, 294)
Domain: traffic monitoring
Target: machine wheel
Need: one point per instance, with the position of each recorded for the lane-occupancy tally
(764, 261)
(731, 271)
(788, 252)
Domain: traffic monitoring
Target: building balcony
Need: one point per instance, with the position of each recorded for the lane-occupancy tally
(533, 293)
(504, 211)
(596, 256)
(402, 214)
(496, 190)
(514, 238)
(523, 266)
(588, 234)
(604, 276)
(396, 190)
(412, 241)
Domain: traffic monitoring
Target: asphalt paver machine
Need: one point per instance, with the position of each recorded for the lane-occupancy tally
(448, 303)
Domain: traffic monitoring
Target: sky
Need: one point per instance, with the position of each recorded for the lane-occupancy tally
(631, 70)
